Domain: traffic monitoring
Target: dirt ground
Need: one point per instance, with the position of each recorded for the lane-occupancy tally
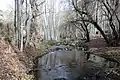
(96, 43)
(11, 67)
(14, 65)
(100, 48)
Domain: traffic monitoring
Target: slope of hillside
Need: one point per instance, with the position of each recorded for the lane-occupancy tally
(11, 68)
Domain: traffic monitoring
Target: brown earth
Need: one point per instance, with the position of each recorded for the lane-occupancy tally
(14, 64)
(96, 43)
(99, 47)
(11, 67)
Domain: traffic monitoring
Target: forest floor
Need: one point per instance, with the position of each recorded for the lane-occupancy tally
(112, 54)
(99, 47)
(96, 43)
(14, 65)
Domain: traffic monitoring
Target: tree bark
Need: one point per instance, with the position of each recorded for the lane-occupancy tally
(102, 32)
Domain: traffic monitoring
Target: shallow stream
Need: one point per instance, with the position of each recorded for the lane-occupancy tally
(73, 65)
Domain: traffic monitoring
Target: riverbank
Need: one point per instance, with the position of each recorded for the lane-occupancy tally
(14, 65)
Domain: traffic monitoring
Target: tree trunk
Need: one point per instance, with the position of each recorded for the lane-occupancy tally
(18, 23)
(101, 31)
(88, 36)
(15, 21)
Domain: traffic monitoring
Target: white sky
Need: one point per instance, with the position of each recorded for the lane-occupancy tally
(6, 4)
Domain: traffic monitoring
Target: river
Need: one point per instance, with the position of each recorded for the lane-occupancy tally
(72, 65)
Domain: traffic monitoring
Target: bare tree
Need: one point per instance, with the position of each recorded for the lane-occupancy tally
(111, 12)
(88, 8)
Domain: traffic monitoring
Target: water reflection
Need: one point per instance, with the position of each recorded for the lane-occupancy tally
(71, 65)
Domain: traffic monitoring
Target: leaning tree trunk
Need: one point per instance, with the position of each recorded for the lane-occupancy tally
(101, 31)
